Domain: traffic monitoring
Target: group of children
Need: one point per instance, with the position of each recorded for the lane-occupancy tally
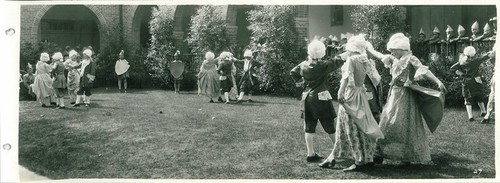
(51, 82)
(400, 133)
(216, 76)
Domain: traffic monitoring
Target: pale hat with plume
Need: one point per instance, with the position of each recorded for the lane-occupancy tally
(449, 29)
(461, 28)
(87, 52)
(316, 49)
(436, 30)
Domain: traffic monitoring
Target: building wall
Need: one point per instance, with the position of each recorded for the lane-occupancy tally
(319, 22)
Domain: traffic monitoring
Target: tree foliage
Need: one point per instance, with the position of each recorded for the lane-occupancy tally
(208, 31)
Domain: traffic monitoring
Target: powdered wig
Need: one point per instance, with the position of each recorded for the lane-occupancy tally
(44, 57)
(57, 56)
(87, 52)
(316, 49)
(357, 44)
(209, 55)
(469, 51)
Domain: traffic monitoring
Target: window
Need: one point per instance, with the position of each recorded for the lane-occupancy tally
(336, 15)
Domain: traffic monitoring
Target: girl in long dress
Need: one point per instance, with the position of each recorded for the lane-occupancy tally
(208, 78)
(59, 83)
(357, 129)
(401, 120)
(42, 87)
(73, 82)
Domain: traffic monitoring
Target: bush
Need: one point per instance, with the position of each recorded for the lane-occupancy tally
(30, 53)
(208, 31)
(161, 49)
(379, 22)
(274, 39)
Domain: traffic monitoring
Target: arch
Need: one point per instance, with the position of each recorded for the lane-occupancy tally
(182, 19)
(35, 32)
(140, 21)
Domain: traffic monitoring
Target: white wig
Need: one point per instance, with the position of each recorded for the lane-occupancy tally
(57, 56)
(248, 53)
(72, 53)
(209, 55)
(357, 44)
(469, 51)
(316, 49)
(44, 57)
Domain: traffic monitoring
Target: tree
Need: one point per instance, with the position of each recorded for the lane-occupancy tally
(208, 31)
(275, 41)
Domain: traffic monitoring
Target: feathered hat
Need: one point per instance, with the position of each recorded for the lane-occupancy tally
(177, 53)
(398, 41)
(44, 57)
(316, 49)
(122, 53)
(436, 30)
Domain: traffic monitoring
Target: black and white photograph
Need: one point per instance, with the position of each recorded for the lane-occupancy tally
(248, 91)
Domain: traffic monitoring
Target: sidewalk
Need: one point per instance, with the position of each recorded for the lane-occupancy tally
(26, 176)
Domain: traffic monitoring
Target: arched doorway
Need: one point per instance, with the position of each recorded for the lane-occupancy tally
(70, 25)
(141, 25)
(182, 23)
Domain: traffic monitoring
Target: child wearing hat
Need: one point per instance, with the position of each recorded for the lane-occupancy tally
(87, 77)
(472, 90)
(356, 130)
(73, 81)
(59, 83)
(401, 120)
(248, 82)
(177, 66)
(122, 77)
(42, 87)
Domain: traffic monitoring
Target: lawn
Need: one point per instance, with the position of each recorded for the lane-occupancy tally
(156, 134)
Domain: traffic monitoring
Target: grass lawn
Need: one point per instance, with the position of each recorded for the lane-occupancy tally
(155, 134)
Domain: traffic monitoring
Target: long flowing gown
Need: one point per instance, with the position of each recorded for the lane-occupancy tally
(208, 79)
(401, 119)
(357, 129)
(42, 87)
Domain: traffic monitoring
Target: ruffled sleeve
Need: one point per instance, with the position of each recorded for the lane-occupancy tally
(348, 72)
(420, 69)
(388, 60)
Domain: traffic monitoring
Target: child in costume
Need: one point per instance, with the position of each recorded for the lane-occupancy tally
(59, 83)
(73, 83)
(87, 77)
(248, 82)
(177, 69)
(491, 99)
(27, 80)
(42, 87)
(472, 90)
(225, 69)
(357, 130)
(316, 99)
(121, 70)
(407, 105)
(208, 78)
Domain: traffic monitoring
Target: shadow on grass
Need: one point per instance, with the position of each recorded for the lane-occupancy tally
(99, 106)
(444, 165)
(62, 151)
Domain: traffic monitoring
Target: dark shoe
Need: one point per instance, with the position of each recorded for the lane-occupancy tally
(314, 158)
(53, 103)
(211, 101)
(484, 121)
(220, 99)
(327, 164)
(72, 103)
(61, 107)
(378, 160)
(483, 114)
(43, 105)
(471, 119)
(249, 100)
(77, 105)
(370, 164)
